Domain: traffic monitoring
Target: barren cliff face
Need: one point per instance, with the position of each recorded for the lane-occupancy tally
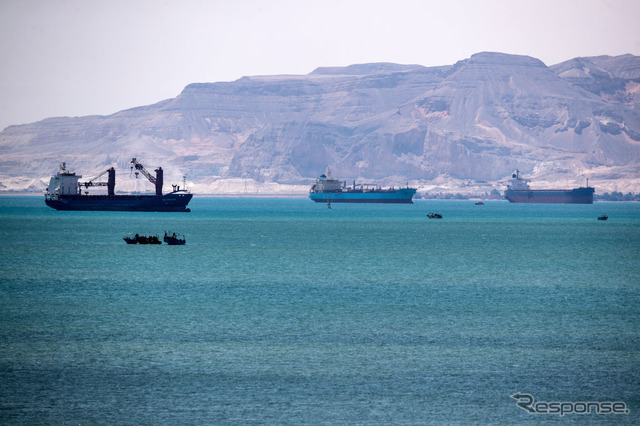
(474, 121)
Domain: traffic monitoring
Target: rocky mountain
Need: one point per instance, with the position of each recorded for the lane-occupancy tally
(458, 128)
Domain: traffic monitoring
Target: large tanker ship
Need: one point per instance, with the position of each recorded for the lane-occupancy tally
(518, 191)
(329, 190)
(65, 193)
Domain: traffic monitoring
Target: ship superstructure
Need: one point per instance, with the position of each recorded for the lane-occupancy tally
(65, 193)
(518, 191)
(329, 190)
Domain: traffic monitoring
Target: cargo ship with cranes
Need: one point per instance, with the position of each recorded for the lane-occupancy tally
(65, 193)
(518, 191)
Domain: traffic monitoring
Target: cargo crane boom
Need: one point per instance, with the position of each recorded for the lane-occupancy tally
(157, 180)
(110, 184)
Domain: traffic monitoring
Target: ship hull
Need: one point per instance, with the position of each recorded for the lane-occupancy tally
(570, 196)
(400, 196)
(172, 202)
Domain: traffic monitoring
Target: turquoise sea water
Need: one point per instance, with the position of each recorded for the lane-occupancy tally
(284, 311)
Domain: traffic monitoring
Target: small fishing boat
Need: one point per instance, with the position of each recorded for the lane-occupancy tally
(141, 239)
(479, 203)
(434, 216)
(174, 239)
(603, 217)
(131, 240)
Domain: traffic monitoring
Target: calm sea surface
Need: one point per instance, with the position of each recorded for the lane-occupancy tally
(285, 311)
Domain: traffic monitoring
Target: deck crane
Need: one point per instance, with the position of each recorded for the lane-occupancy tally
(110, 184)
(157, 180)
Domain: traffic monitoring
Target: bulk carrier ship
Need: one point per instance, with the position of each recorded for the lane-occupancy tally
(329, 190)
(65, 193)
(518, 191)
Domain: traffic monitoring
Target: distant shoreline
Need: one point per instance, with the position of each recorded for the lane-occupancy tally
(303, 196)
(31, 194)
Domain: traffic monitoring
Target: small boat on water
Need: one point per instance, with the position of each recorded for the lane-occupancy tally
(174, 239)
(434, 216)
(141, 239)
(479, 203)
(603, 217)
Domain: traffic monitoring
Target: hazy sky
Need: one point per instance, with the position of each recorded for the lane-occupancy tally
(83, 57)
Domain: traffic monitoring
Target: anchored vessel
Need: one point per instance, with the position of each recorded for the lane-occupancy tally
(329, 190)
(518, 191)
(64, 193)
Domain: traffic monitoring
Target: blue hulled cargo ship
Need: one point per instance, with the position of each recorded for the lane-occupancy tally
(329, 190)
(65, 193)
